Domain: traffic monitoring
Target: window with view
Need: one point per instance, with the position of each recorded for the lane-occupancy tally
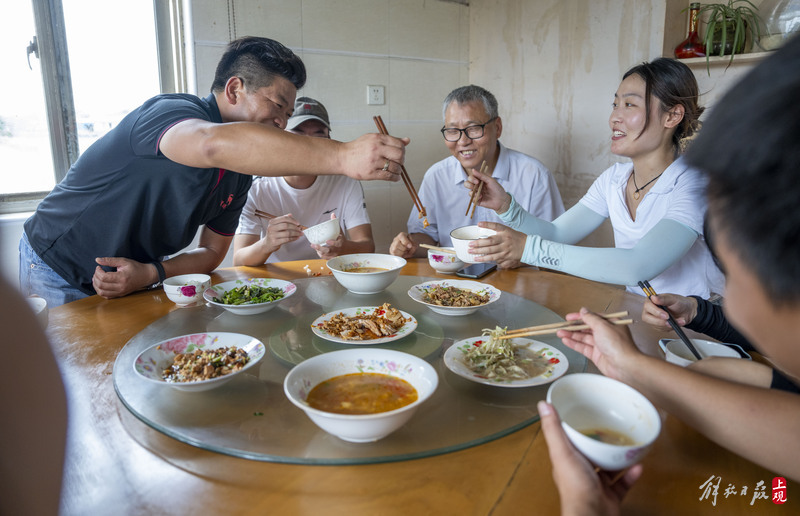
(113, 65)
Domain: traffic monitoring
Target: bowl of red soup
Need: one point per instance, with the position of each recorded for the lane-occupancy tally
(361, 395)
(366, 273)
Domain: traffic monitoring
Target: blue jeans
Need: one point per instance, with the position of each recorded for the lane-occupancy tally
(37, 278)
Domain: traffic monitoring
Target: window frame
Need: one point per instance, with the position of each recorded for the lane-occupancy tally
(53, 55)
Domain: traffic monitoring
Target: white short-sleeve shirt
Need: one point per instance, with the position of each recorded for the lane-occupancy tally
(328, 194)
(679, 195)
(445, 199)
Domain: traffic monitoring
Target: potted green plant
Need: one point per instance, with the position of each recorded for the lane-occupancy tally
(728, 26)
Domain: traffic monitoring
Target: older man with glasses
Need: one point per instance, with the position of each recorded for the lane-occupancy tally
(472, 128)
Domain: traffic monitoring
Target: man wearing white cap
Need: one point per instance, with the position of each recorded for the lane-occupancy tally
(302, 200)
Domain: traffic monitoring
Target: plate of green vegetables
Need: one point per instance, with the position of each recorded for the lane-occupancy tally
(249, 296)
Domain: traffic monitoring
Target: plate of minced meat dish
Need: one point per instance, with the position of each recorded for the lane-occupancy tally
(515, 362)
(454, 297)
(199, 361)
(364, 325)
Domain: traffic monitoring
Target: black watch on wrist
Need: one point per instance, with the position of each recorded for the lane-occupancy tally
(161, 275)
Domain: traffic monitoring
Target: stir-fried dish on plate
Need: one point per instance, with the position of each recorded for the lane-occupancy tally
(205, 364)
(501, 359)
(367, 325)
(445, 295)
(251, 294)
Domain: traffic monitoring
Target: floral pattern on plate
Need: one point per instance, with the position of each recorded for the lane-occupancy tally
(151, 362)
(455, 361)
(407, 329)
(219, 290)
(418, 291)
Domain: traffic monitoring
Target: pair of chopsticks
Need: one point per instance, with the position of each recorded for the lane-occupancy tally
(440, 249)
(403, 173)
(544, 329)
(476, 193)
(650, 291)
(269, 216)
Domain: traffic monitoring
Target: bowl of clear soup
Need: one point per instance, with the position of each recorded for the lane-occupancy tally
(367, 273)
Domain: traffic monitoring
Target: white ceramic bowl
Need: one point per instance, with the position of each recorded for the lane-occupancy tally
(39, 307)
(151, 362)
(461, 238)
(417, 291)
(446, 263)
(360, 428)
(366, 282)
(592, 401)
(217, 291)
(187, 289)
(676, 351)
(322, 232)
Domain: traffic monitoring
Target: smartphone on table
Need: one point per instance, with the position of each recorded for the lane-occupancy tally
(476, 270)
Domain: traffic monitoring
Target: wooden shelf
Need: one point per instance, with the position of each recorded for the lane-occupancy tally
(698, 62)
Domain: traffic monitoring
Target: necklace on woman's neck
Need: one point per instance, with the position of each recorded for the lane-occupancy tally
(639, 189)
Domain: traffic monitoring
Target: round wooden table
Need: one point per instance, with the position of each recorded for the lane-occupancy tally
(115, 463)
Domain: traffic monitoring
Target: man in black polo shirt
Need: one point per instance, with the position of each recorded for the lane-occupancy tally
(174, 164)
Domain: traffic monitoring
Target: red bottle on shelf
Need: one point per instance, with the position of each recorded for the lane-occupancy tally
(691, 46)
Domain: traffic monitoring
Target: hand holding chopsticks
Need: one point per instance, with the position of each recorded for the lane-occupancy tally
(545, 329)
(264, 215)
(403, 173)
(476, 193)
(650, 291)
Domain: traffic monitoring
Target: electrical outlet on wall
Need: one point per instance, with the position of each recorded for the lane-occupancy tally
(375, 94)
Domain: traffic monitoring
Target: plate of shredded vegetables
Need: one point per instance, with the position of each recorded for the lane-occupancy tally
(454, 297)
(199, 361)
(364, 325)
(249, 296)
(515, 362)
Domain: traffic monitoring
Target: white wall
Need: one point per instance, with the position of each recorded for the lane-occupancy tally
(10, 233)
(417, 49)
(553, 65)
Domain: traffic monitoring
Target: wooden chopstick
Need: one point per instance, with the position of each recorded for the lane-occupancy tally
(563, 324)
(270, 216)
(569, 327)
(403, 173)
(553, 327)
(650, 291)
(476, 192)
(440, 249)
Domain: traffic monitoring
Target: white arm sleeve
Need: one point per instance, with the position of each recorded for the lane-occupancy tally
(662, 246)
(571, 227)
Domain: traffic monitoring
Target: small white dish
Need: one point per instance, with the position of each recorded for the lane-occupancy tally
(187, 289)
(677, 353)
(360, 428)
(595, 403)
(213, 294)
(455, 361)
(444, 263)
(418, 291)
(322, 232)
(151, 363)
(461, 238)
(39, 307)
(316, 326)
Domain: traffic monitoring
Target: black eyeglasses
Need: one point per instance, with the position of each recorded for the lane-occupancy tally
(473, 132)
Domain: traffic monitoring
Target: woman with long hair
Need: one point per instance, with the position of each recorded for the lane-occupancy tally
(655, 202)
